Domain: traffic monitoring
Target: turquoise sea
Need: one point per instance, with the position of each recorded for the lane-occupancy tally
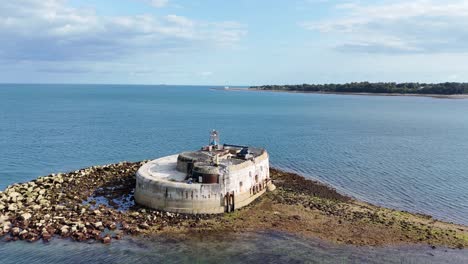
(409, 153)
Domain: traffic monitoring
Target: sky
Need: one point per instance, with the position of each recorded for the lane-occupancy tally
(243, 42)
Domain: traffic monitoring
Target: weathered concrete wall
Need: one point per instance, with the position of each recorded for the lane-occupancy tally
(245, 182)
(179, 197)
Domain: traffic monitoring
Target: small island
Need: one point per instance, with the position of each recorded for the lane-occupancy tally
(97, 204)
(444, 90)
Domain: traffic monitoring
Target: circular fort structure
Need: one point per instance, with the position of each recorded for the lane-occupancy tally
(215, 179)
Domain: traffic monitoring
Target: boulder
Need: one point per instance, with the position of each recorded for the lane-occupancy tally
(23, 234)
(106, 240)
(46, 236)
(6, 226)
(98, 225)
(26, 216)
(59, 207)
(64, 230)
(15, 231)
(112, 226)
(12, 207)
(32, 237)
(271, 187)
(3, 219)
(43, 202)
(144, 226)
(12, 196)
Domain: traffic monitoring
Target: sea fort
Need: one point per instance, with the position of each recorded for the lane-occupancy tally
(215, 179)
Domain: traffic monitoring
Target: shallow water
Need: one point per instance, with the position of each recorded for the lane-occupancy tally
(240, 248)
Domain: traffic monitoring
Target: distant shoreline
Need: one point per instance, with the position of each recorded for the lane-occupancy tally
(439, 96)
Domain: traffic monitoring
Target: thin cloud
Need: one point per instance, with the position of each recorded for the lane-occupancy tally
(159, 3)
(422, 26)
(52, 30)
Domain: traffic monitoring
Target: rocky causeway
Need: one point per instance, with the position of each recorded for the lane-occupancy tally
(96, 204)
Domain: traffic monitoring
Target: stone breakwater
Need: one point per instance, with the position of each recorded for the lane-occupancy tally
(97, 204)
(80, 205)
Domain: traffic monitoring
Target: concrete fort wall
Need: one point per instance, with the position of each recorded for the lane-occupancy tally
(179, 197)
(244, 177)
(241, 185)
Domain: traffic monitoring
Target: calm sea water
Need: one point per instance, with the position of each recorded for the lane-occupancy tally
(407, 153)
(245, 248)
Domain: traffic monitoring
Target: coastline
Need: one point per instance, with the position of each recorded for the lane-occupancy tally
(438, 96)
(96, 203)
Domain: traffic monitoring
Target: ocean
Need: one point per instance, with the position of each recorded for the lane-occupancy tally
(407, 153)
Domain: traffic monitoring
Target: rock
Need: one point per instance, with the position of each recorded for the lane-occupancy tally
(3, 219)
(64, 230)
(12, 207)
(26, 216)
(36, 207)
(6, 226)
(271, 187)
(97, 212)
(78, 236)
(144, 226)
(107, 239)
(32, 237)
(13, 196)
(98, 225)
(46, 236)
(2, 206)
(23, 234)
(297, 217)
(59, 207)
(112, 226)
(43, 202)
(135, 214)
(15, 231)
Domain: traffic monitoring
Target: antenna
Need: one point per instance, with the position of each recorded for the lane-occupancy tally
(214, 138)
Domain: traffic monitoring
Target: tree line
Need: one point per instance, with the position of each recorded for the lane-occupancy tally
(447, 88)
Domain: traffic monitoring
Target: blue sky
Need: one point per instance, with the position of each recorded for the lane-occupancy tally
(232, 42)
